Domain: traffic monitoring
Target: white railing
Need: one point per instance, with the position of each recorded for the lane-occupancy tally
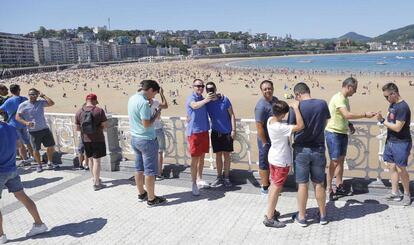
(364, 157)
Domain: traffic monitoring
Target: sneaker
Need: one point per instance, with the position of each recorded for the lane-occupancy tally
(30, 159)
(55, 166)
(264, 191)
(227, 182)
(275, 223)
(143, 197)
(323, 220)
(49, 166)
(36, 230)
(202, 184)
(407, 200)
(276, 214)
(300, 222)
(25, 163)
(159, 177)
(39, 169)
(218, 182)
(156, 201)
(393, 197)
(195, 190)
(3, 239)
(98, 187)
(332, 196)
(340, 190)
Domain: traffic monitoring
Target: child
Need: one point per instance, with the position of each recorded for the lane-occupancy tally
(280, 156)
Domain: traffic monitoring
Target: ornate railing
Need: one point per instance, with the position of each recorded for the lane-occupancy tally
(364, 157)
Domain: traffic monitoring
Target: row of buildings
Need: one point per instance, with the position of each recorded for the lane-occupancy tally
(16, 50)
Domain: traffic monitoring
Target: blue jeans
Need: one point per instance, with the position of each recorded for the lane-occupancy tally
(11, 180)
(397, 152)
(263, 152)
(337, 144)
(146, 155)
(309, 162)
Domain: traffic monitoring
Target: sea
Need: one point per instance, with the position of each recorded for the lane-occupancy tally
(378, 62)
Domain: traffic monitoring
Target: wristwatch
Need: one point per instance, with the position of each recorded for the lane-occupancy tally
(382, 121)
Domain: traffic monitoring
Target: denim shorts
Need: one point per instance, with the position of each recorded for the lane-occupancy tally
(309, 162)
(337, 144)
(146, 155)
(397, 152)
(161, 139)
(12, 181)
(23, 135)
(263, 152)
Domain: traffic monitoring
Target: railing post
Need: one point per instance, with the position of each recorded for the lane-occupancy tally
(114, 152)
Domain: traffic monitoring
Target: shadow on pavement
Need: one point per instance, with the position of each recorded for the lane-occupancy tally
(39, 182)
(81, 229)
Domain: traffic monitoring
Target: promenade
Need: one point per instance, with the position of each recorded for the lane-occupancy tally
(75, 214)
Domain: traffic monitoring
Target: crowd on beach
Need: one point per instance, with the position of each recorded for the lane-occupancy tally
(312, 122)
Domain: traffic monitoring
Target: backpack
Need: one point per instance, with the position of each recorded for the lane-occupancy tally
(88, 125)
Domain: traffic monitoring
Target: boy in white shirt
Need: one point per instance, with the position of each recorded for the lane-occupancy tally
(280, 156)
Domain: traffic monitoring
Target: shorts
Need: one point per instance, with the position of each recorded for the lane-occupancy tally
(221, 142)
(95, 149)
(161, 139)
(337, 144)
(263, 153)
(198, 144)
(23, 135)
(12, 181)
(278, 175)
(44, 137)
(309, 162)
(397, 152)
(146, 155)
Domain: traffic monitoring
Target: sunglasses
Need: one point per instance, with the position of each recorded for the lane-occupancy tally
(32, 94)
(198, 86)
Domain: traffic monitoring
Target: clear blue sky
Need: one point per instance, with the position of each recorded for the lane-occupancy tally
(302, 19)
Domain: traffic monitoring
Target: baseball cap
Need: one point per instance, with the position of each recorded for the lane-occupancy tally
(92, 97)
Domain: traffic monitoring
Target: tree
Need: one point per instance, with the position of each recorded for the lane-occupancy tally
(104, 35)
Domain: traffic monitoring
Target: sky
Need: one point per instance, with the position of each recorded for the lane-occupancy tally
(301, 19)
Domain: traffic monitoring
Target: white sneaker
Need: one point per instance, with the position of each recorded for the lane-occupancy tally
(36, 230)
(203, 184)
(3, 239)
(195, 190)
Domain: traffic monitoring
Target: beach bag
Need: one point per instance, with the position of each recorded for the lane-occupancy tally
(88, 125)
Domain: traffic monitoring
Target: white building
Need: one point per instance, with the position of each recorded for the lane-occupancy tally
(162, 51)
(141, 40)
(16, 50)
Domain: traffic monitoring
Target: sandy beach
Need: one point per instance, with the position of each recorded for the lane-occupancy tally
(115, 84)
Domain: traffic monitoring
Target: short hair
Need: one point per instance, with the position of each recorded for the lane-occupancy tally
(301, 88)
(14, 88)
(33, 89)
(3, 87)
(147, 84)
(211, 83)
(390, 87)
(350, 81)
(198, 79)
(266, 81)
(280, 107)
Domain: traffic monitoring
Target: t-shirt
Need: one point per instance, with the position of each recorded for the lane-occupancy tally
(337, 123)
(314, 112)
(34, 112)
(399, 112)
(8, 138)
(198, 118)
(154, 105)
(98, 115)
(280, 153)
(138, 110)
(10, 107)
(219, 115)
(263, 111)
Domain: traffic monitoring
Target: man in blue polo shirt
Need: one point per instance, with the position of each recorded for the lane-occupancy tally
(223, 125)
(10, 179)
(10, 107)
(144, 142)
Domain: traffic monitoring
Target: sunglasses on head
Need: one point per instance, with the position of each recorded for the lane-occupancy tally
(198, 86)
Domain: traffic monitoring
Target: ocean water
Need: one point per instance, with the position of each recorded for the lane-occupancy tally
(394, 62)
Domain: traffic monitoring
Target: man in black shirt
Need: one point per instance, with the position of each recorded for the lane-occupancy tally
(399, 143)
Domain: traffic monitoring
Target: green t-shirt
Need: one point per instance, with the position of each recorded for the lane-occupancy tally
(337, 123)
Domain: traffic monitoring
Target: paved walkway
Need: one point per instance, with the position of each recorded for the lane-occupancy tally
(76, 214)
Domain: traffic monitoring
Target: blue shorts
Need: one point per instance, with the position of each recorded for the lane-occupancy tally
(397, 152)
(309, 162)
(161, 139)
(146, 155)
(23, 135)
(263, 152)
(12, 181)
(337, 144)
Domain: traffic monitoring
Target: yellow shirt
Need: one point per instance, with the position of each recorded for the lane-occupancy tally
(337, 123)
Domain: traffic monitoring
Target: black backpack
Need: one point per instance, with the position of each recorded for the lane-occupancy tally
(88, 125)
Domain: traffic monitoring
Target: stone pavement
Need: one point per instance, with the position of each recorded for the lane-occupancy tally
(75, 214)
